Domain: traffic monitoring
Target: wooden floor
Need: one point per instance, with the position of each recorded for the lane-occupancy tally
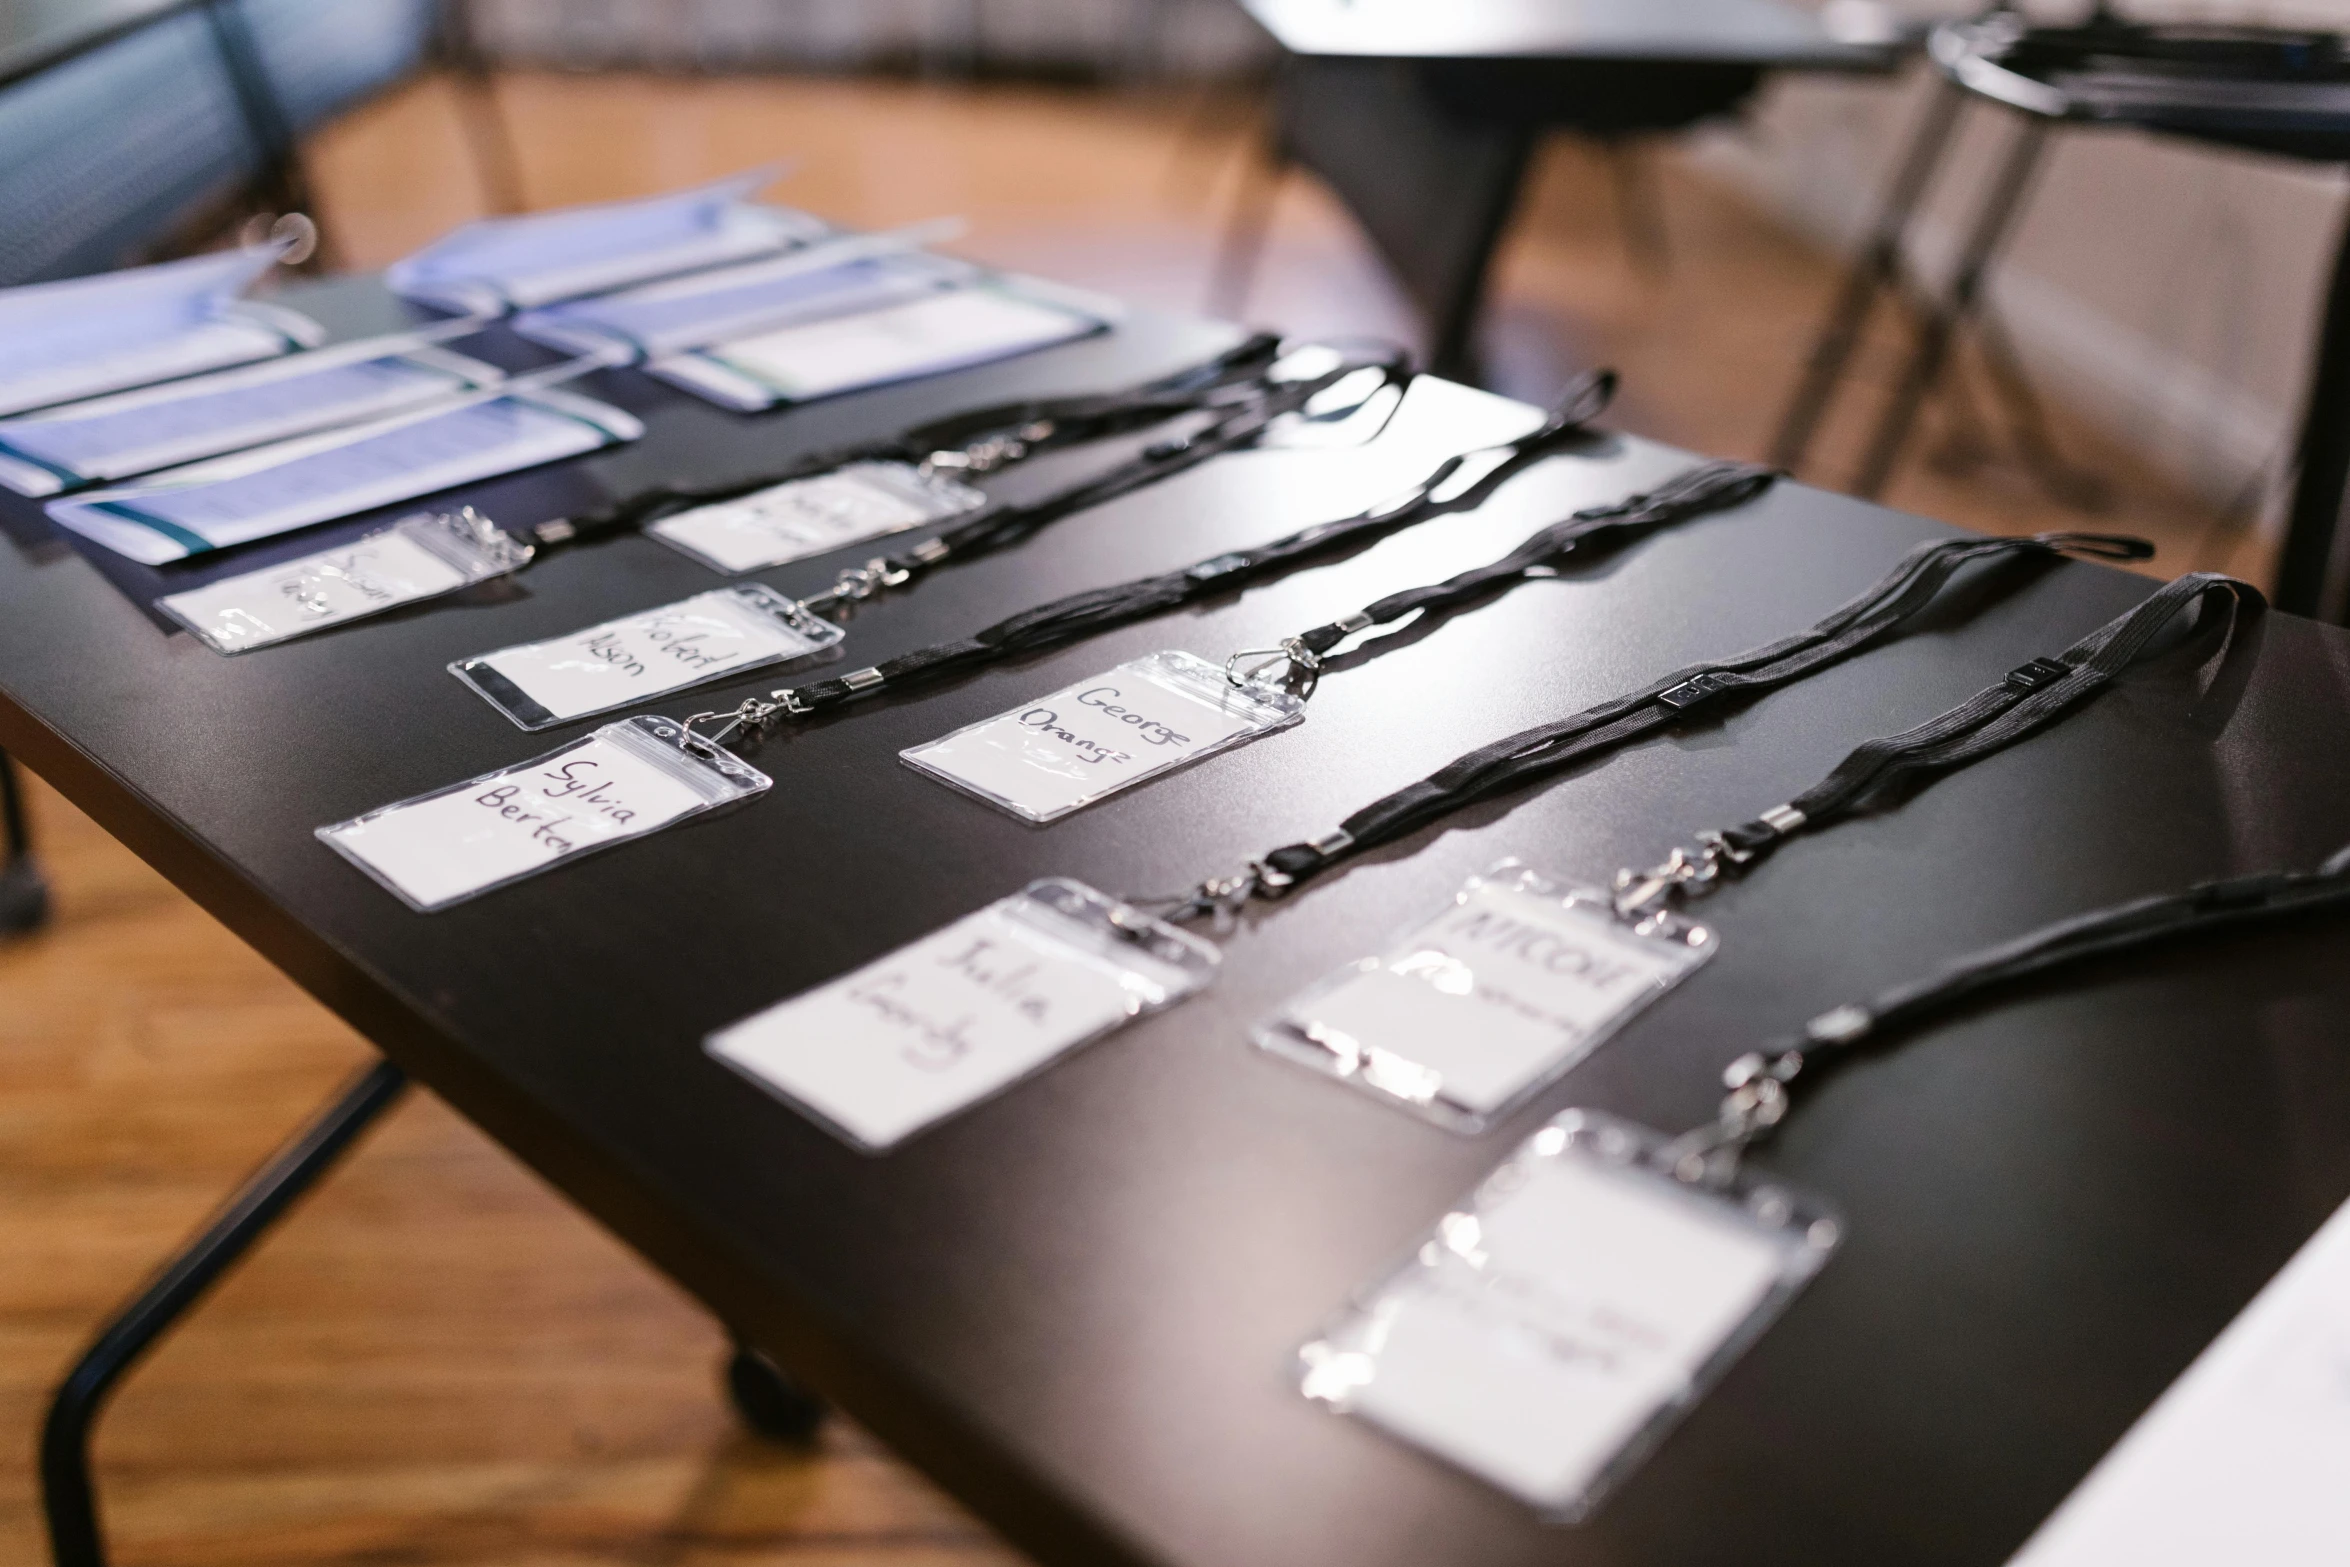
(438, 1361)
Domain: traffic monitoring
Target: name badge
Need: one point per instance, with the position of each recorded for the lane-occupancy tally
(962, 1014)
(1548, 1333)
(1086, 741)
(1509, 987)
(416, 558)
(707, 637)
(621, 782)
(949, 330)
(811, 516)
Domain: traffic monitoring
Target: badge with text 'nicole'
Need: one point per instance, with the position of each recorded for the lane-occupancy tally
(1090, 740)
(1549, 1332)
(1510, 986)
(965, 1012)
(620, 782)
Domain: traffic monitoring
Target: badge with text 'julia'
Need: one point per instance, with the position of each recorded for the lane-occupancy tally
(965, 1012)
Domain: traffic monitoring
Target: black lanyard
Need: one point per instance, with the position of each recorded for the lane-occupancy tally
(1873, 617)
(2027, 700)
(1096, 610)
(1757, 1082)
(1709, 487)
(1236, 390)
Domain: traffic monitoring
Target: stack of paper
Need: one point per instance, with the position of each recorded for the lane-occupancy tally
(503, 264)
(275, 489)
(986, 319)
(87, 336)
(844, 275)
(131, 433)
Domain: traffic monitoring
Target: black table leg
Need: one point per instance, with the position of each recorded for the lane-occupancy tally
(2322, 459)
(67, 1495)
(24, 896)
(1941, 326)
(769, 1400)
(1877, 266)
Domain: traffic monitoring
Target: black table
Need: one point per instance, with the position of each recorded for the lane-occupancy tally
(1423, 117)
(1074, 1305)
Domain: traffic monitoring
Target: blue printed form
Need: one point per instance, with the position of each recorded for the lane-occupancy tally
(254, 495)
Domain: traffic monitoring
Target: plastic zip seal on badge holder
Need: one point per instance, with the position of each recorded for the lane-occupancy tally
(635, 658)
(620, 782)
(416, 558)
(1463, 1017)
(1549, 1333)
(967, 1011)
(811, 516)
(1087, 741)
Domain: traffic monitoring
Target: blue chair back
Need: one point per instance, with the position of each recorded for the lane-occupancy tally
(321, 59)
(117, 147)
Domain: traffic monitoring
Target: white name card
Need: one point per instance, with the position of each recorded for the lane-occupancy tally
(803, 517)
(621, 782)
(927, 336)
(963, 1013)
(1086, 741)
(621, 662)
(1509, 987)
(416, 558)
(1547, 1334)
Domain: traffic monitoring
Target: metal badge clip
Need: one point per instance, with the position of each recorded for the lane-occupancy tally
(1301, 666)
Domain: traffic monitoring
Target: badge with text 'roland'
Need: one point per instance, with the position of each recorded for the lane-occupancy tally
(1514, 983)
(621, 782)
(1087, 741)
(933, 1028)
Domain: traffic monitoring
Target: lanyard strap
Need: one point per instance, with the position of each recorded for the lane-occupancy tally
(1547, 749)
(1695, 492)
(2025, 701)
(984, 440)
(1758, 1098)
(1080, 615)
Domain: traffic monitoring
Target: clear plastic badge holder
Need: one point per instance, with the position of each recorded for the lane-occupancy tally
(1086, 742)
(620, 663)
(1548, 1333)
(965, 1012)
(1515, 982)
(620, 782)
(825, 511)
(419, 557)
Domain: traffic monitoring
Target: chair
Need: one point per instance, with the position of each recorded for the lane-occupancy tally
(1430, 155)
(2272, 90)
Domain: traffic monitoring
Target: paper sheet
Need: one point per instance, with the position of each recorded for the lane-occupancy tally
(2247, 1457)
(253, 495)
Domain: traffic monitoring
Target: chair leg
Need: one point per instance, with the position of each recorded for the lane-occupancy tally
(68, 1497)
(2304, 570)
(1243, 246)
(489, 137)
(1936, 332)
(1877, 266)
(769, 1401)
(24, 894)
(1640, 208)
